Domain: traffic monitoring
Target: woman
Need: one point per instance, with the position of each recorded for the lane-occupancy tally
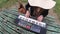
(39, 8)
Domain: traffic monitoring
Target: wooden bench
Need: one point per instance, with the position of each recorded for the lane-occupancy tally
(8, 26)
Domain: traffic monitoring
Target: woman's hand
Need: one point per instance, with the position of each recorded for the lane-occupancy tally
(40, 18)
(27, 14)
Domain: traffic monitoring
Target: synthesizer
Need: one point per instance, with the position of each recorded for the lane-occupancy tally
(31, 24)
(42, 24)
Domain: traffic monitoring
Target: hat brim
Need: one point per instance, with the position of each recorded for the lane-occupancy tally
(42, 3)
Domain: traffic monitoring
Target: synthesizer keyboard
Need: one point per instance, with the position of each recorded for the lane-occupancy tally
(31, 24)
(42, 24)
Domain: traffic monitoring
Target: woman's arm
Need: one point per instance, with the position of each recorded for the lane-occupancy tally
(27, 12)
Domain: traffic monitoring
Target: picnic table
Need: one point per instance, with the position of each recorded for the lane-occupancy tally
(8, 26)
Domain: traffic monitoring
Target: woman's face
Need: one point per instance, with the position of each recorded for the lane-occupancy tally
(38, 9)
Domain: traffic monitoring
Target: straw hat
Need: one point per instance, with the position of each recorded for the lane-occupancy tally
(45, 4)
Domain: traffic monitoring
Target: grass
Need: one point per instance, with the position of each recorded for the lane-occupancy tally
(2, 2)
(8, 3)
(24, 0)
(57, 8)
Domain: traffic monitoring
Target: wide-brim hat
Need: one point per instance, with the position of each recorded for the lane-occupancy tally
(45, 4)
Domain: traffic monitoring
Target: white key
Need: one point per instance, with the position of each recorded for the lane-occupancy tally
(32, 21)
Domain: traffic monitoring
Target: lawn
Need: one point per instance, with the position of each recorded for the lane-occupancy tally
(7, 3)
(57, 8)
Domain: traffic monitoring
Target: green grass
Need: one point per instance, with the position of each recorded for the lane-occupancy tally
(8, 3)
(24, 0)
(2, 2)
(57, 8)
